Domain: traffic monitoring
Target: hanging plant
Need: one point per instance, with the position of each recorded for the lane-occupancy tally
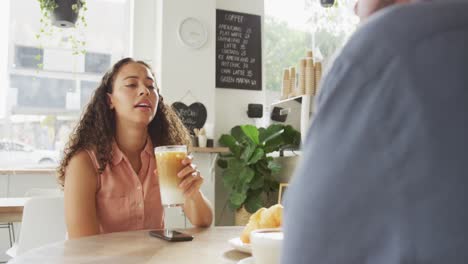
(65, 20)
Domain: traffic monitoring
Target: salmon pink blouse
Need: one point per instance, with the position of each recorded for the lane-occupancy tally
(126, 200)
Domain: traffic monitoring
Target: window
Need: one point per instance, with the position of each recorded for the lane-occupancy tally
(294, 27)
(28, 57)
(44, 87)
(3, 146)
(41, 92)
(97, 62)
(87, 89)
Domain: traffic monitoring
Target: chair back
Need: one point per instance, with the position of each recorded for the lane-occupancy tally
(43, 223)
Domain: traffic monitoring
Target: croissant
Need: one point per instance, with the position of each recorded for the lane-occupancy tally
(263, 218)
(272, 217)
(253, 224)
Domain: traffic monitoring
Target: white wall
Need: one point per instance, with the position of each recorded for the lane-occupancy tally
(182, 69)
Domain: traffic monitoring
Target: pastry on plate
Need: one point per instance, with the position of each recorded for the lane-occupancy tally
(263, 218)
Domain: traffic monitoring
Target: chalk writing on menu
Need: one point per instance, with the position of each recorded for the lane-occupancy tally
(238, 51)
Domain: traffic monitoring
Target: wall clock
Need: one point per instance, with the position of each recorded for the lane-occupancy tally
(192, 33)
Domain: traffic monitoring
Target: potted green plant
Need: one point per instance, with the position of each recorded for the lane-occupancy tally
(63, 15)
(248, 170)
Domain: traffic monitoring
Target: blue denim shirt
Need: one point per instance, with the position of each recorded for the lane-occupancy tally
(384, 171)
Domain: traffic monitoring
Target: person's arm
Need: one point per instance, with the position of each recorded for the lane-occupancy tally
(80, 197)
(198, 210)
(196, 207)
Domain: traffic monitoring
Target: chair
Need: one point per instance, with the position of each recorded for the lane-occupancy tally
(43, 222)
(11, 231)
(31, 193)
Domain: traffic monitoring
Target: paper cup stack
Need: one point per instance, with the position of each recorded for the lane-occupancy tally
(302, 77)
(309, 76)
(318, 76)
(292, 81)
(286, 89)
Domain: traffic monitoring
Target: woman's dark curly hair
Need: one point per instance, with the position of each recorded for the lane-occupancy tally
(96, 129)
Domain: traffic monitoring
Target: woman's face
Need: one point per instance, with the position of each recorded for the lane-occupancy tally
(134, 98)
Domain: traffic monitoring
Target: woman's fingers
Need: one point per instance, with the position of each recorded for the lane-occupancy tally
(187, 160)
(193, 187)
(187, 170)
(195, 175)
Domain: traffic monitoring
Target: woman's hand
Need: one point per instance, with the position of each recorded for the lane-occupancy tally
(191, 178)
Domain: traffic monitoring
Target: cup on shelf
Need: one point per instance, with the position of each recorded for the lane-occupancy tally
(202, 140)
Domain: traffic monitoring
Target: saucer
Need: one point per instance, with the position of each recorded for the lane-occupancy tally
(249, 260)
(239, 245)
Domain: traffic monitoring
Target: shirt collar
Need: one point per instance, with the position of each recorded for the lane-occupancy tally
(118, 155)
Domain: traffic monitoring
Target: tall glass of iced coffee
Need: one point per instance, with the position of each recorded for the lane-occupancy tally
(169, 163)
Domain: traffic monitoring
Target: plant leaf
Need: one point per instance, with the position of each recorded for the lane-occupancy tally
(261, 134)
(230, 142)
(262, 167)
(256, 156)
(251, 132)
(237, 199)
(291, 137)
(237, 133)
(246, 175)
(257, 182)
(274, 166)
(222, 163)
(230, 179)
(249, 148)
(253, 203)
(272, 132)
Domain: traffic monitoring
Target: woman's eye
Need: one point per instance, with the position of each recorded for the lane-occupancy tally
(151, 87)
(131, 85)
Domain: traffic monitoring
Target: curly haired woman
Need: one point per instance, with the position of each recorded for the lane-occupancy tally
(108, 170)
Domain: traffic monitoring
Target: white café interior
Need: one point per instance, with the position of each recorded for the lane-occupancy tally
(152, 31)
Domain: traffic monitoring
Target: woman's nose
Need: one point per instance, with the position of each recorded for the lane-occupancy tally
(144, 90)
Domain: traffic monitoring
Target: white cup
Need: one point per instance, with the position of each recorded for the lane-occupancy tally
(202, 139)
(266, 245)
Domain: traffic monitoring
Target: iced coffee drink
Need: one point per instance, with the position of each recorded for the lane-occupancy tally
(169, 163)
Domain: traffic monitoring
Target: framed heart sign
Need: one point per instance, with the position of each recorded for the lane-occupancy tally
(193, 116)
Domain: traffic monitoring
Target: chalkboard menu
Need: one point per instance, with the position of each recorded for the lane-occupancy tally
(238, 50)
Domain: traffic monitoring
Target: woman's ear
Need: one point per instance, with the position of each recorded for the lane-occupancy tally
(109, 101)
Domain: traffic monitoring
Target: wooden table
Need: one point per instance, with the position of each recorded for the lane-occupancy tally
(11, 209)
(209, 246)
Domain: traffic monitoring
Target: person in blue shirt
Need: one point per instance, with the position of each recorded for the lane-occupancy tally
(384, 170)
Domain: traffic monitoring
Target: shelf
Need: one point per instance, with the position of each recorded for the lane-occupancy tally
(210, 150)
(299, 109)
(291, 102)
